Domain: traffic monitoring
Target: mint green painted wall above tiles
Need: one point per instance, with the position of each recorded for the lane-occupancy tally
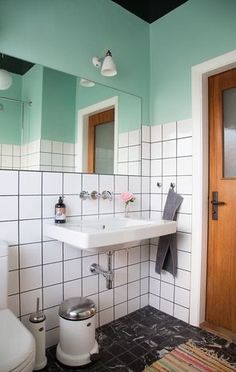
(129, 106)
(195, 32)
(32, 90)
(11, 115)
(66, 34)
(58, 106)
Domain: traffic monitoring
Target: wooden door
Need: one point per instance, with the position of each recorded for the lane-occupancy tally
(94, 120)
(221, 273)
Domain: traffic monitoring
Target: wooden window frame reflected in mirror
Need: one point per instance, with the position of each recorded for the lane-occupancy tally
(103, 117)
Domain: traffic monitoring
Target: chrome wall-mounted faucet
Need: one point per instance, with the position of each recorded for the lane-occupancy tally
(95, 195)
(106, 195)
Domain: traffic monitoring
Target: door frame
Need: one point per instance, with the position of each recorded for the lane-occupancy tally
(200, 74)
(81, 146)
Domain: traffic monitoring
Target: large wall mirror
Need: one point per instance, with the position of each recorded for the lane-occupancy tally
(50, 120)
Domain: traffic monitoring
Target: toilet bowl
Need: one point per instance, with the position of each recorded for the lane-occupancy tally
(17, 344)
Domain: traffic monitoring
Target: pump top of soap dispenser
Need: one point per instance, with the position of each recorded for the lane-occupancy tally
(38, 316)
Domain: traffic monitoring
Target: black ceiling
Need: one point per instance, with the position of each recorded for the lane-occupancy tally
(15, 65)
(150, 10)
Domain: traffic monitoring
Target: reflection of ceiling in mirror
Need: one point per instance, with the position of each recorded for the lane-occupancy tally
(48, 140)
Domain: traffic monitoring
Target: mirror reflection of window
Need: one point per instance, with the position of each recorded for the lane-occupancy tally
(101, 142)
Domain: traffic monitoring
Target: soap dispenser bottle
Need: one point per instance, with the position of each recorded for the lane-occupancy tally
(37, 327)
(60, 211)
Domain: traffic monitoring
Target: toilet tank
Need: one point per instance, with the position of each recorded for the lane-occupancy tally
(3, 274)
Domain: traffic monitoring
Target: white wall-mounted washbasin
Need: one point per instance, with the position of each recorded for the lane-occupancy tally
(112, 232)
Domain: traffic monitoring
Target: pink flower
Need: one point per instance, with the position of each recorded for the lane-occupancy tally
(127, 197)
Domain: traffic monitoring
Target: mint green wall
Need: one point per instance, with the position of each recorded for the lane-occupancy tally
(32, 90)
(58, 106)
(66, 34)
(129, 106)
(11, 116)
(196, 31)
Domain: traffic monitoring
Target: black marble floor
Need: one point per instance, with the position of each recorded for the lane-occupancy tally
(138, 339)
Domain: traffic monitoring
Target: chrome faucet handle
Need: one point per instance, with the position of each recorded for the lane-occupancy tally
(95, 195)
(106, 195)
(84, 195)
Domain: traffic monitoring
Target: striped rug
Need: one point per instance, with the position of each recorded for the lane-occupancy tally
(189, 358)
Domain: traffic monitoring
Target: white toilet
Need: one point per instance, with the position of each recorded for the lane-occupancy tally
(17, 345)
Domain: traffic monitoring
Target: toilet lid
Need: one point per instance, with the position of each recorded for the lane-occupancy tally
(16, 342)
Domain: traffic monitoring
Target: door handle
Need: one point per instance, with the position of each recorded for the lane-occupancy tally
(215, 203)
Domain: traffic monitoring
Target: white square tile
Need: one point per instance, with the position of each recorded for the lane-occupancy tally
(30, 207)
(73, 205)
(184, 128)
(30, 255)
(154, 301)
(72, 183)
(30, 183)
(145, 202)
(144, 269)
(146, 133)
(184, 242)
(181, 313)
(90, 206)
(184, 147)
(8, 182)
(13, 282)
(120, 276)
(166, 182)
(153, 252)
(146, 168)
(13, 257)
(46, 146)
(184, 184)
(153, 273)
(14, 304)
(57, 147)
(184, 260)
(182, 279)
(144, 300)
(120, 258)
(30, 231)
(166, 306)
(57, 160)
(106, 182)
(186, 206)
(156, 189)
(120, 294)
(68, 148)
(184, 223)
(134, 184)
(52, 295)
(72, 269)
(87, 262)
(154, 286)
(145, 185)
(123, 139)
(134, 168)
(52, 252)
(169, 167)
(145, 252)
(72, 288)
(167, 291)
(156, 150)
(123, 155)
(167, 277)
(7, 149)
(45, 159)
(156, 133)
(16, 150)
(49, 202)
(182, 297)
(156, 202)
(9, 206)
(29, 301)
(133, 305)
(30, 278)
(106, 316)
(71, 252)
(121, 184)
(90, 285)
(134, 137)
(90, 182)
(133, 255)
(169, 149)
(106, 299)
(156, 168)
(52, 274)
(120, 310)
(52, 183)
(144, 286)
(52, 319)
(123, 168)
(133, 272)
(68, 160)
(134, 153)
(146, 150)
(184, 166)
(133, 290)
(169, 131)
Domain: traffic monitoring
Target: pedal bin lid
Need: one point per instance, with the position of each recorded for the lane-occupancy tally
(77, 308)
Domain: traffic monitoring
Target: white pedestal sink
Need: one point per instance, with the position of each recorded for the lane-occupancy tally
(104, 234)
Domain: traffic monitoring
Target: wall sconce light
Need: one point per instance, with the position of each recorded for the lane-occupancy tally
(5, 78)
(106, 64)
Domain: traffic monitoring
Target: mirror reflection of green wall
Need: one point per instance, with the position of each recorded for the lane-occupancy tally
(40, 124)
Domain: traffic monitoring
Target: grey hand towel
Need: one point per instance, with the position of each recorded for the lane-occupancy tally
(167, 248)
